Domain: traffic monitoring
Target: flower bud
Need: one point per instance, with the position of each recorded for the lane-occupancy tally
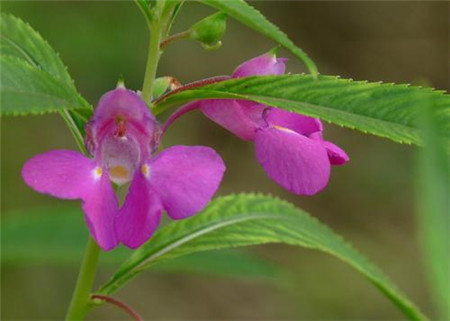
(163, 84)
(160, 86)
(209, 30)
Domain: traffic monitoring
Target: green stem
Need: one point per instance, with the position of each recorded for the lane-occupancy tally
(65, 114)
(154, 53)
(81, 296)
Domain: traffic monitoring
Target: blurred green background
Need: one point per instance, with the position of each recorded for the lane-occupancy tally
(369, 201)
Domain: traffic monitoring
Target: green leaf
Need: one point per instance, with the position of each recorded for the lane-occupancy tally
(249, 16)
(233, 264)
(433, 209)
(18, 39)
(48, 235)
(247, 219)
(386, 110)
(56, 236)
(26, 90)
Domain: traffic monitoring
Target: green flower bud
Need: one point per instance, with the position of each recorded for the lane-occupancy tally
(162, 84)
(209, 30)
(120, 82)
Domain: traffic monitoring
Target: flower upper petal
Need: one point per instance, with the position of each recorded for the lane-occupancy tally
(301, 124)
(69, 175)
(140, 214)
(126, 103)
(122, 133)
(122, 113)
(294, 161)
(266, 64)
(185, 178)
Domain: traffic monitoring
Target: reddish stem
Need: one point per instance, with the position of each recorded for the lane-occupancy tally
(192, 85)
(190, 106)
(122, 305)
(179, 112)
(178, 36)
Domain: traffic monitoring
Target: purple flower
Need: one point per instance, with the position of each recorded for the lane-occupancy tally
(289, 146)
(122, 137)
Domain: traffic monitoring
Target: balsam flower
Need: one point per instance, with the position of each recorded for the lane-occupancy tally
(122, 137)
(289, 146)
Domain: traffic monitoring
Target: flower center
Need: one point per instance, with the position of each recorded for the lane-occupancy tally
(121, 155)
(119, 172)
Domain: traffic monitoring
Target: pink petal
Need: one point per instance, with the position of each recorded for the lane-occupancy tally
(299, 123)
(336, 155)
(61, 173)
(180, 112)
(140, 214)
(122, 112)
(185, 178)
(69, 175)
(240, 119)
(266, 64)
(296, 162)
(124, 102)
(101, 207)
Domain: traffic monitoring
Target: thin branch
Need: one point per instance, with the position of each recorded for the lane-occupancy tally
(122, 305)
(192, 85)
(175, 37)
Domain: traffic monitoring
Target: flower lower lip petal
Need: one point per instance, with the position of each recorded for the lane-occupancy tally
(68, 174)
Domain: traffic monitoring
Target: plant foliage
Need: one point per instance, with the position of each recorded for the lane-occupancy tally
(386, 110)
(249, 219)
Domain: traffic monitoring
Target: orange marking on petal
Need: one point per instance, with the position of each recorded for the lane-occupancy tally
(118, 172)
(145, 169)
(287, 130)
(98, 172)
